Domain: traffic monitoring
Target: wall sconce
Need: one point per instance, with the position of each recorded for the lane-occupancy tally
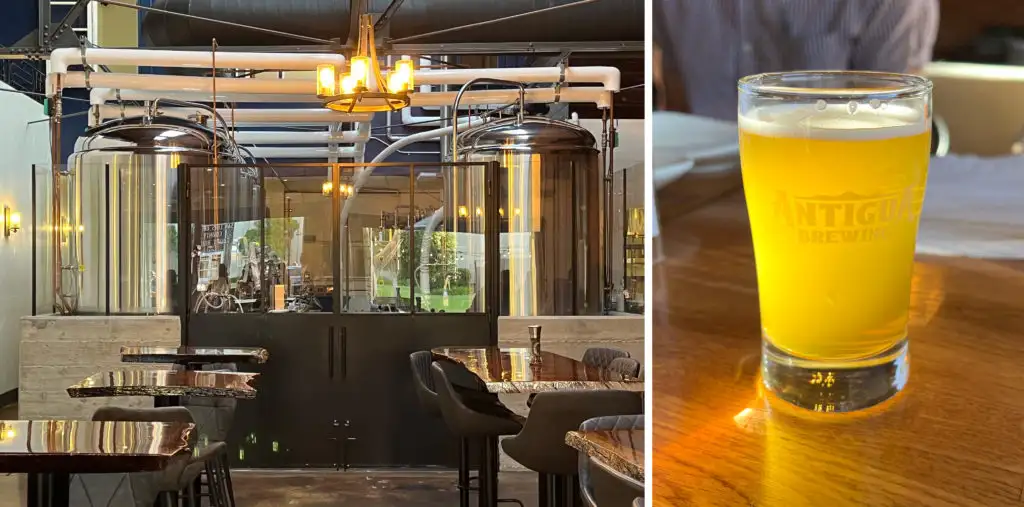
(12, 222)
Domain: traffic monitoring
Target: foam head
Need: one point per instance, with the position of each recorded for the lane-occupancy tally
(834, 121)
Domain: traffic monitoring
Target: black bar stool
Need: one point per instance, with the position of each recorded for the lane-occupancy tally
(427, 394)
(472, 413)
(541, 446)
(601, 486)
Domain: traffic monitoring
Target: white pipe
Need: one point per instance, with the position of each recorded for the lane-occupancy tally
(186, 83)
(60, 59)
(609, 77)
(304, 152)
(297, 137)
(595, 94)
(104, 95)
(425, 241)
(246, 116)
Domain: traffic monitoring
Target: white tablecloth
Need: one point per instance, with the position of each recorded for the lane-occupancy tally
(974, 207)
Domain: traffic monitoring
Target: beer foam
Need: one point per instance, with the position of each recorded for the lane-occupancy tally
(834, 121)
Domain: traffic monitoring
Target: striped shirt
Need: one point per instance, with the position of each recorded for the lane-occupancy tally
(707, 45)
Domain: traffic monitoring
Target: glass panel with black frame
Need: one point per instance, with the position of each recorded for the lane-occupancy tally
(42, 229)
(403, 250)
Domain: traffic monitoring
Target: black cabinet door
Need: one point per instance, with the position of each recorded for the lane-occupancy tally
(383, 422)
(293, 422)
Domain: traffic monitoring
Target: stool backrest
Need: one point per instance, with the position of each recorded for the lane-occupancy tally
(625, 366)
(423, 381)
(541, 445)
(601, 357)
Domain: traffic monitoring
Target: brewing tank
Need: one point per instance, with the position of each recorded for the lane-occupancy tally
(550, 208)
(119, 229)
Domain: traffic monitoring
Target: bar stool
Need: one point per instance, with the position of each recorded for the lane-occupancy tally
(180, 474)
(214, 418)
(597, 357)
(541, 446)
(625, 366)
(600, 485)
(423, 382)
(470, 413)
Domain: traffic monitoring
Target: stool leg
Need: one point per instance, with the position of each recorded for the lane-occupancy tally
(543, 490)
(229, 492)
(463, 472)
(488, 494)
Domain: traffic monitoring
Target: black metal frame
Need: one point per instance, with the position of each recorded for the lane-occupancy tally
(492, 224)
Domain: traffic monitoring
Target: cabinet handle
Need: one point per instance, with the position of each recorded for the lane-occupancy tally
(330, 352)
(344, 353)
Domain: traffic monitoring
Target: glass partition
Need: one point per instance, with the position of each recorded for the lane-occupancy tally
(338, 238)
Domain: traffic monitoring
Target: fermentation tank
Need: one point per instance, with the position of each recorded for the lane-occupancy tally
(119, 225)
(550, 207)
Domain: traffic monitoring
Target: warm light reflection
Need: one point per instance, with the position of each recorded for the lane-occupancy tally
(359, 69)
(463, 212)
(927, 292)
(741, 417)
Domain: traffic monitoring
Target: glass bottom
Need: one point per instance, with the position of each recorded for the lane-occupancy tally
(835, 386)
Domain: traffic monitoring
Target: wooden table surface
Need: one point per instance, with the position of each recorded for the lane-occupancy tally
(166, 383)
(622, 450)
(512, 370)
(954, 436)
(86, 446)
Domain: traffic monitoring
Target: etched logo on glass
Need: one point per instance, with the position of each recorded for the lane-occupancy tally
(848, 217)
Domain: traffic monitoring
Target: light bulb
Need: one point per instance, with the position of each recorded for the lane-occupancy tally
(360, 69)
(15, 219)
(396, 83)
(405, 68)
(325, 80)
(479, 212)
(349, 84)
(463, 211)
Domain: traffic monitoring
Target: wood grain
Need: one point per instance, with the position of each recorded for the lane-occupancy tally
(622, 450)
(954, 437)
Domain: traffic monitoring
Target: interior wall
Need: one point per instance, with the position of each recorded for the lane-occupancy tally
(22, 145)
(960, 22)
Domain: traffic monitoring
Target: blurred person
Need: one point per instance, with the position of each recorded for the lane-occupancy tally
(703, 47)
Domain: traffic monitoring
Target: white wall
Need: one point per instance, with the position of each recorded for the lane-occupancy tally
(21, 145)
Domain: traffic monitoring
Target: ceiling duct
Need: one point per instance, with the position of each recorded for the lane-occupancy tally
(606, 20)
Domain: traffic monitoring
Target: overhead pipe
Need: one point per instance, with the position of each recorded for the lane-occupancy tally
(243, 117)
(246, 137)
(595, 95)
(318, 152)
(61, 59)
(609, 78)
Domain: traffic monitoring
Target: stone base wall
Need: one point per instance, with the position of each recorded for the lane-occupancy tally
(58, 351)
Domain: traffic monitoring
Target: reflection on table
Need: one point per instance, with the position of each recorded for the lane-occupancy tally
(86, 446)
(166, 383)
(194, 355)
(517, 370)
(622, 450)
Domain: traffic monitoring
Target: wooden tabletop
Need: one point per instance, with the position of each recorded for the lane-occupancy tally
(166, 383)
(194, 355)
(622, 450)
(516, 370)
(954, 436)
(86, 446)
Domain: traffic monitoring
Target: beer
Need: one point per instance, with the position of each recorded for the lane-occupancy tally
(834, 195)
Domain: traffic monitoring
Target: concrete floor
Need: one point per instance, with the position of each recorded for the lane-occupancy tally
(336, 489)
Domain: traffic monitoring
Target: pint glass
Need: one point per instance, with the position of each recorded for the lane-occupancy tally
(834, 168)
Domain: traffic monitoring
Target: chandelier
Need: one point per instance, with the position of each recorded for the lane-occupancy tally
(364, 89)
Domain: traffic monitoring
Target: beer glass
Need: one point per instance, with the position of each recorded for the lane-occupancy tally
(834, 167)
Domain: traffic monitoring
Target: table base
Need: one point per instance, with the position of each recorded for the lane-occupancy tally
(49, 489)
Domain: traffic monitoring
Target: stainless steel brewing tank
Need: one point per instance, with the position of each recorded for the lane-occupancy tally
(551, 187)
(125, 173)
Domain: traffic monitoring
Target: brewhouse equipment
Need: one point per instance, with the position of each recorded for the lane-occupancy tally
(119, 232)
(552, 260)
